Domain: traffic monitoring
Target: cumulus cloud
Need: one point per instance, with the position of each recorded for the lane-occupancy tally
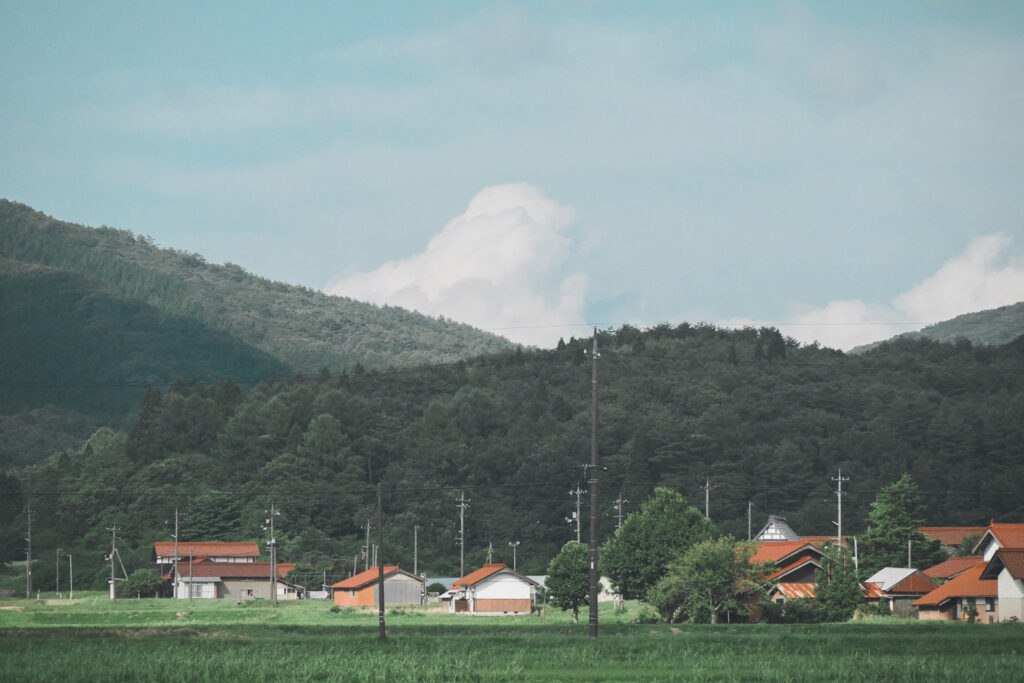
(988, 274)
(496, 266)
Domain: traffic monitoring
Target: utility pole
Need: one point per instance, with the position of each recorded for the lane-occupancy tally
(415, 549)
(619, 502)
(514, 545)
(366, 548)
(750, 516)
(272, 545)
(839, 502)
(380, 565)
(574, 517)
(463, 504)
(592, 484)
(909, 547)
(114, 554)
(177, 577)
(71, 580)
(707, 498)
(60, 551)
(28, 556)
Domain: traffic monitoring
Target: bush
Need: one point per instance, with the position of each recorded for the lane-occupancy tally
(335, 609)
(436, 587)
(803, 611)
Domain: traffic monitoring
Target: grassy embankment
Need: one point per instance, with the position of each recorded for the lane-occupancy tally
(94, 639)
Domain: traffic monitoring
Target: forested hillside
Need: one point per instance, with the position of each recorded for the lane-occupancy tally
(758, 417)
(304, 329)
(994, 327)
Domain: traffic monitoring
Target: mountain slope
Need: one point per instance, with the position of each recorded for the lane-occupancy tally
(305, 329)
(991, 327)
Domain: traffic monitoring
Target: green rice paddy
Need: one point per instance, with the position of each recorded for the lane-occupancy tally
(164, 640)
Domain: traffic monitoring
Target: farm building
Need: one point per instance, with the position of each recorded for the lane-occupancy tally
(492, 589)
(233, 580)
(400, 588)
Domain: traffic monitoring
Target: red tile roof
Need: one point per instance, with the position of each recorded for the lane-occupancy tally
(951, 535)
(1012, 559)
(968, 584)
(1008, 535)
(207, 549)
(365, 578)
(234, 570)
(796, 590)
(773, 551)
(480, 574)
(953, 566)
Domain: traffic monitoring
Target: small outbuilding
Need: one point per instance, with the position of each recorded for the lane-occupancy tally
(400, 588)
(493, 589)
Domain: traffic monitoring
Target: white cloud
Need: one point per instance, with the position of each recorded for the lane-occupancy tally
(497, 266)
(986, 275)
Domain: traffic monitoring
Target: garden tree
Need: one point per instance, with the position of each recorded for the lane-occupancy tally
(836, 584)
(893, 520)
(568, 579)
(710, 578)
(665, 527)
(144, 581)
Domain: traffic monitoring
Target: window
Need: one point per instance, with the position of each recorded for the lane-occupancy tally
(990, 604)
(197, 590)
(352, 594)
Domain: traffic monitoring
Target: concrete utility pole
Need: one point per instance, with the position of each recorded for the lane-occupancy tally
(71, 580)
(380, 565)
(463, 504)
(113, 554)
(60, 551)
(574, 518)
(28, 556)
(750, 529)
(707, 498)
(839, 502)
(415, 549)
(366, 548)
(909, 550)
(592, 484)
(272, 545)
(514, 545)
(619, 502)
(177, 577)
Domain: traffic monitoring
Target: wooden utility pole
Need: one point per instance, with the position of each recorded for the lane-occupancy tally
(28, 555)
(177, 577)
(463, 504)
(380, 565)
(592, 485)
(839, 502)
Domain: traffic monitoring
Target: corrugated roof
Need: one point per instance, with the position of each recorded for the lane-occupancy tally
(915, 583)
(233, 570)
(207, 549)
(486, 571)
(796, 590)
(364, 578)
(796, 565)
(967, 584)
(953, 566)
(951, 535)
(871, 590)
(887, 577)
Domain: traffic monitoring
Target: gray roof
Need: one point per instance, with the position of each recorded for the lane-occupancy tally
(887, 577)
(776, 529)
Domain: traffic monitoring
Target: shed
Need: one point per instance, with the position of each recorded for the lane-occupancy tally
(493, 589)
(400, 588)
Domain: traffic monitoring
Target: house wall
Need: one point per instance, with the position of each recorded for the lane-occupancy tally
(935, 614)
(253, 589)
(502, 587)
(499, 605)
(1011, 596)
(400, 589)
(362, 597)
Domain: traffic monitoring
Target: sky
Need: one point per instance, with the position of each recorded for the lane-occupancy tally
(843, 171)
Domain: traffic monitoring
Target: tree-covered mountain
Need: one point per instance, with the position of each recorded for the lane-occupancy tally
(752, 414)
(305, 329)
(90, 317)
(994, 327)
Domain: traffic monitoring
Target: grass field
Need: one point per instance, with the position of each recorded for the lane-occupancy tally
(164, 640)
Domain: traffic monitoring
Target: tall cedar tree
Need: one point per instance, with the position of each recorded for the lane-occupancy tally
(636, 557)
(894, 519)
(836, 586)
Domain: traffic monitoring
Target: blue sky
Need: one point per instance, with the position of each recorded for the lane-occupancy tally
(845, 171)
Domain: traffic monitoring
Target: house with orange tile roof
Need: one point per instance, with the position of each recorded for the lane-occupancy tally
(401, 587)
(206, 579)
(1007, 569)
(950, 600)
(492, 589)
(998, 536)
(953, 567)
(900, 587)
(951, 536)
(199, 551)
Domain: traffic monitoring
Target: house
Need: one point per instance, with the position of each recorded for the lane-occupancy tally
(400, 588)
(953, 567)
(1006, 568)
(195, 551)
(951, 536)
(998, 536)
(492, 589)
(776, 529)
(205, 579)
(950, 600)
(900, 586)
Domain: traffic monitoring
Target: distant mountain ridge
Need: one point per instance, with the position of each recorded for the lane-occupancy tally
(992, 327)
(303, 328)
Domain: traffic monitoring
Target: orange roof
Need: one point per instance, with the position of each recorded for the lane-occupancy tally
(234, 570)
(365, 578)
(952, 566)
(915, 583)
(1012, 559)
(871, 590)
(1008, 535)
(795, 565)
(486, 571)
(773, 551)
(951, 535)
(206, 549)
(967, 584)
(796, 590)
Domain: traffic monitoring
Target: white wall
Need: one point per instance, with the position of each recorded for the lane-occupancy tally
(502, 587)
